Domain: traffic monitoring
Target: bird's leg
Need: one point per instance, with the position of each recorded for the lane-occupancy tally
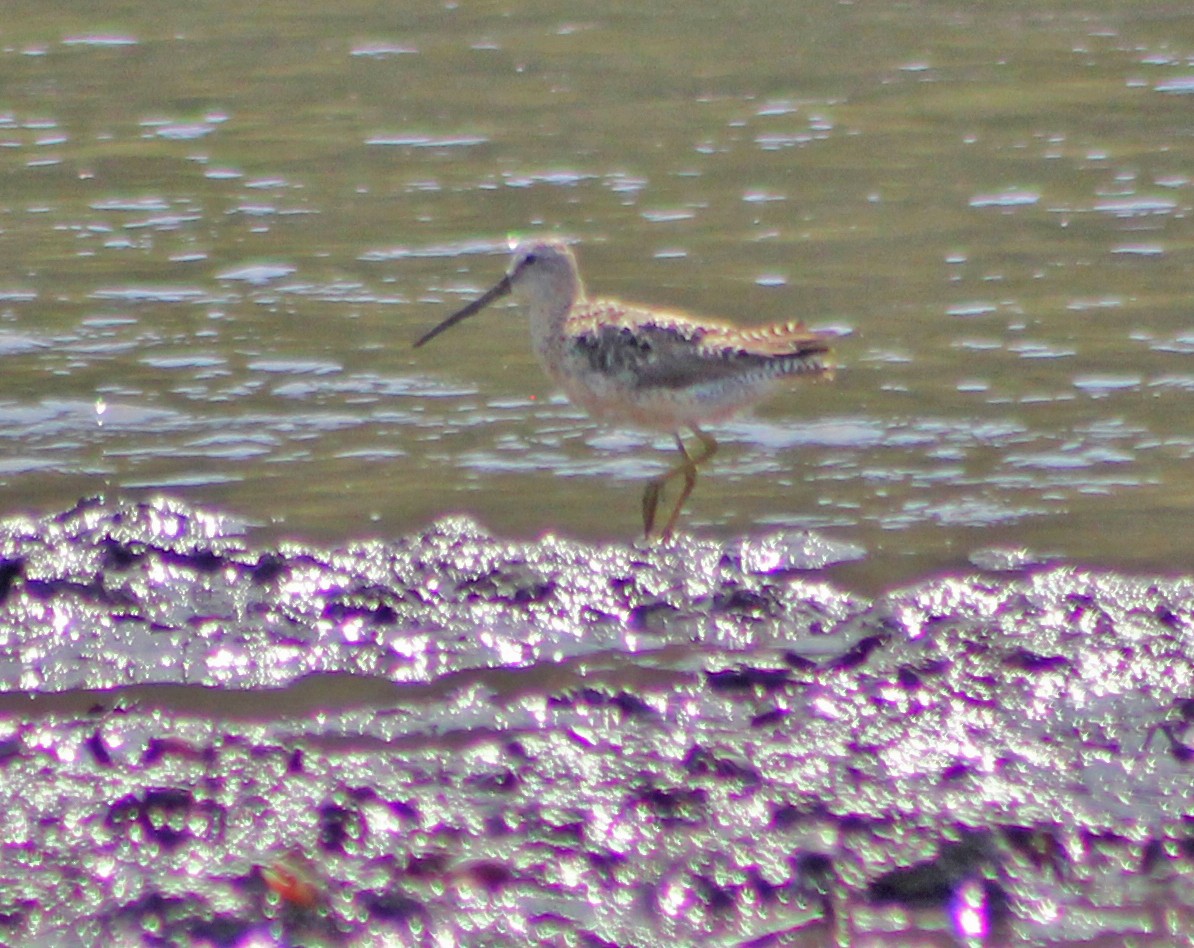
(651, 502)
(689, 469)
(686, 468)
(654, 490)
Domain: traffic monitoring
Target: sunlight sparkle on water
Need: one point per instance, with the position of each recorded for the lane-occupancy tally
(410, 646)
(164, 526)
(827, 708)
(350, 630)
(510, 652)
(61, 619)
(227, 658)
(968, 910)
(157, 573)
(672, 897)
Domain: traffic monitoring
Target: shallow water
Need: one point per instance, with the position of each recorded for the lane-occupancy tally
(222, 227)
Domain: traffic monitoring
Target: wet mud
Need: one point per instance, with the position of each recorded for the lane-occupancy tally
(449, 738)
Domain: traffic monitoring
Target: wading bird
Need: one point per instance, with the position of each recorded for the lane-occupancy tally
(628, 364)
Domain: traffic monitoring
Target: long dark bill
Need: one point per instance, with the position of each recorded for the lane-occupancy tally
(500, 289)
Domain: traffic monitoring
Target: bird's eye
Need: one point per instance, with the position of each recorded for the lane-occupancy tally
(529, 258)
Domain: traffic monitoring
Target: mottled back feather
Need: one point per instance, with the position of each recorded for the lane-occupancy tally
(672, 350)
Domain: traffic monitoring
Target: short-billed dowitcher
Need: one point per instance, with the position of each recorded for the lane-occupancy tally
(651, 368)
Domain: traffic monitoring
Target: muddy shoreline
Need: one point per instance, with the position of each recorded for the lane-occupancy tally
(451, 736)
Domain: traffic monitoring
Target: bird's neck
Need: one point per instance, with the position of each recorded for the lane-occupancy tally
(549, 310)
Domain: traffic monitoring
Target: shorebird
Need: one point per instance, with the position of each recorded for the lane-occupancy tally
(662, 370)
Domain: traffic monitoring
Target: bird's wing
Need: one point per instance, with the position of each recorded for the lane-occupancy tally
(673, 350)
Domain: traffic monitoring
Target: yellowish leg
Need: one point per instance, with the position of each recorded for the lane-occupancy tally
(687, 468)
(708, 449)
(651, 503)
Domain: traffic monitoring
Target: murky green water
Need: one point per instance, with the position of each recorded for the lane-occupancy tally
(222, 225)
